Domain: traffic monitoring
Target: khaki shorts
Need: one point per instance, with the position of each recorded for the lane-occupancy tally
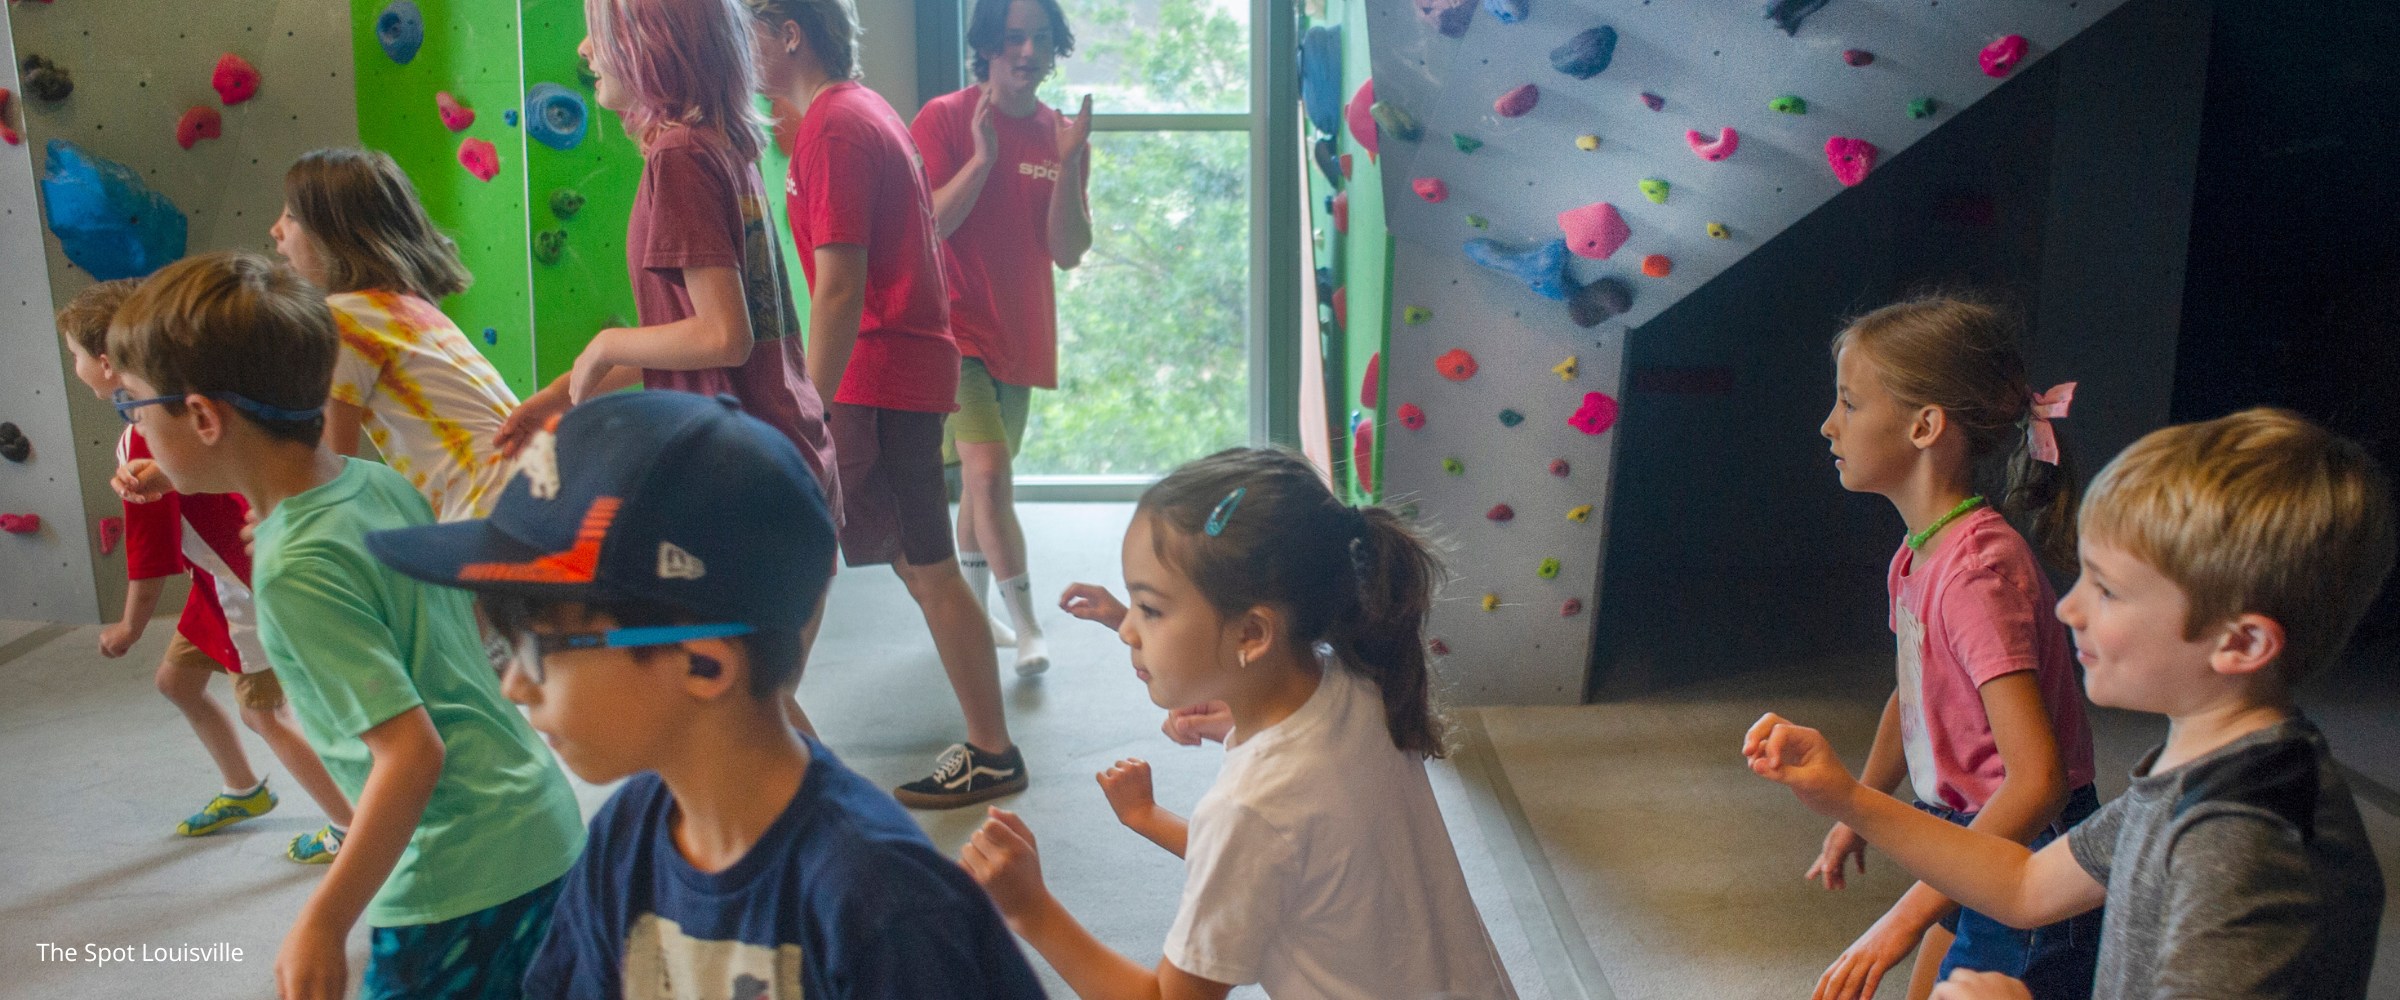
(256, 689)
(989, 411)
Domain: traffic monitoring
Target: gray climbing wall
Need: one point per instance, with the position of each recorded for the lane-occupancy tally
(1710, 66)
(135, 76)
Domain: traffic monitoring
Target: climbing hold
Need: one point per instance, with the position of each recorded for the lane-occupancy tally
(1414, 315)
(112, 531)
(1479, 222)
(554, 116)
(1500, 512)
(14, 445)
(1491, 602)
(1457, 366)
(1341, 307)
(1595, 230)
(1411, 417)
(1655, 190)
(491, 335)
(1850, 159)
(46, 80)
(1790, 104)
(1713, 150)
(1339, 207)
(1653, 101)
(1787, 14)
(1717, 231)
(1449, 17)
(1516, 102)
(1543, 268)
(1362, 455)
(1431, 189)
(508, 117)
(400, 29)
(1327, 163)
(1547, 570)
(1565, 369)
(1587, 54)
(565, 202)
(7, 134)
(1573, 607)
(1558, 467)
(1321, 77)
(1657, 265)
(199, 122)
(1580, 514)
(235, 79)
(548, 245)
(1437, 647)
(1454, 467)
(2001, 56)
(1369, 382)
(1395, 120)
(1360, 119)
(108, 222)
(455, 116)
(1923, 107)
(1598, 413)
(1598, 301)
(1511, 418)
(1508, 11)
(1346, 165)
(1587, 143)
(1465, 143)
(20, 524)
(480, 159)
(1857, 57)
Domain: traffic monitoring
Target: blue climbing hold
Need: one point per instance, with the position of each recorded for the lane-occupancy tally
(400, 29)
(1543, 268)
(555, 116)
(1321, 77)
(1586, 55)
(490, 335)
(1508, 11)
(509, 117)
(109, 222)
(1787, 14)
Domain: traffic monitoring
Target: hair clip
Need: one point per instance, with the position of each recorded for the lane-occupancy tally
(1224, 511)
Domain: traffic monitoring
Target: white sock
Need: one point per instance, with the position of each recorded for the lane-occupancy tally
(1017, 593)
(978, 573)
(243, 793)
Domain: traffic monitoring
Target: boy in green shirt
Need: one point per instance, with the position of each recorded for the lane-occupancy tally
(464, 822)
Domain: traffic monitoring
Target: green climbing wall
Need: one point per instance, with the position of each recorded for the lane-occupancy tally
(587, 289)
(1361, 262)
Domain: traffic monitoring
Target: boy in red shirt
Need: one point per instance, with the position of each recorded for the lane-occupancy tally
(170, 533)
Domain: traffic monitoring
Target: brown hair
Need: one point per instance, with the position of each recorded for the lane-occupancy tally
(232, 322)
(1359, 578)
(85, 319)
(2259, 512)
(1961, 355)
(987, 31)
(357, 208)
(831, 27)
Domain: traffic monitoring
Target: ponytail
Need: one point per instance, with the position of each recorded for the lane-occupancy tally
(1397, 573)
(2043, 497)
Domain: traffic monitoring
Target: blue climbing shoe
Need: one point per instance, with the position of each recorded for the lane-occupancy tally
(226, 810)
(317, 848)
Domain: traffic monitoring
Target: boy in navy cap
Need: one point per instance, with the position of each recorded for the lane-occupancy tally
(649, 568)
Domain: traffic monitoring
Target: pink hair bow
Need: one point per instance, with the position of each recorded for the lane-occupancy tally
(2047, 406)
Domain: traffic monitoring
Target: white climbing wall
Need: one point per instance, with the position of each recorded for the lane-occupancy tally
(1712, 65)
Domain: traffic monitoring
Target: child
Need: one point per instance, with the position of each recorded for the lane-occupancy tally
(1318, 865)
(2223, 562)
(464, 822)
(201, 533)
(879, 351)
(652, 624)
(1986, 724)
(351, 225)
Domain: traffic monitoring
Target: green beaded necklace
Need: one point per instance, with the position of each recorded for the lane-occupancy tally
(1916, 542)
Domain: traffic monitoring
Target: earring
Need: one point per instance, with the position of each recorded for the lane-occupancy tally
(1242, 657)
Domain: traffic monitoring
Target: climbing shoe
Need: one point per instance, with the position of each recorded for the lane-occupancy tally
(317, 848)
(226, 810)
(963, 776)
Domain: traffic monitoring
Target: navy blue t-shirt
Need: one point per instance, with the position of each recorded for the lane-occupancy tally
(841, 897)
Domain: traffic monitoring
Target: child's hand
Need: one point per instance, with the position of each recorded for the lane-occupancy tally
(311, 965)
(1842, 844)
(1861, 967)
(1127, 785)
(1002, 858)
(140, 481)
(1092, 603)
(250, 532)
(117, 638)
(1967, 984)
(1799, 758)
(1210, 720)
(531, 415)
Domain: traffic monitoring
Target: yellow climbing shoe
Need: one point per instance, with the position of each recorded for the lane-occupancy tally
(226, 810)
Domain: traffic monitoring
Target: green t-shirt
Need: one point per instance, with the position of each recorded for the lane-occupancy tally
(355, 644)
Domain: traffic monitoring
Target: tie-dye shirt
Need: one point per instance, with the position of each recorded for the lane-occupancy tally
(433, 402)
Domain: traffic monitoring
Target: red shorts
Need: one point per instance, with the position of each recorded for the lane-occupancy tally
(894, 505)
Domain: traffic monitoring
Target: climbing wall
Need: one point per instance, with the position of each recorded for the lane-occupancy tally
(1576, 168)
(1352, 248)
(587, 288)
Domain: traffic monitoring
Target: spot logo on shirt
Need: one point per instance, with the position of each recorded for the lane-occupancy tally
(663, 963)
(1038, 171)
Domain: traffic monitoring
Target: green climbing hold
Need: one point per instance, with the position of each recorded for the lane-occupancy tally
(548, 245)
(1409, 510)
(1548, 570)
(565, 202)
(1466, 144)
(1922, 107)
(1788, 104)
(1655, 190)
(1511, 418)
(1479, 222)
(1454, 467)
(1414, 315)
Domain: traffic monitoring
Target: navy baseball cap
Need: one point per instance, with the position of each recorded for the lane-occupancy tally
(659, 496)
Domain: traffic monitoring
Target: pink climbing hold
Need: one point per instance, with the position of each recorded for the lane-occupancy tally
(1714, 150)
(20, 524)
(1653, 101)
(1595, 230)
(455, 116)
(1558, 467)
(1850, 159)
(112, 531)
(1431, 189)
(236, 80)
(1516, 102)
(1598, 413)
(7, 134)
(1362, 455)
(2001, 56)
(1500, 512)
(1457, 366)
(1361, 122)
(480, 159)
(201, 122)
(1345, 166)
(1367, 384)
(1857, 57)
(1341, 212)
(1341, 307)
(1411, 417)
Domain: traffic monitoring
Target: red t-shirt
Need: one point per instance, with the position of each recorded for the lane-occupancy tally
(698, 207)
(855, 179)
(155, 543)
(1003, 304)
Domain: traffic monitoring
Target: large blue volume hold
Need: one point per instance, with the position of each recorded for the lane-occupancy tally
(400, 30)
(1321, 77)
(1586, 55)
(109, 223)
(1543, 268)
(555, 116)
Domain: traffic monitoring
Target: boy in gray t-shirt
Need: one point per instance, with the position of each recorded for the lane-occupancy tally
(2222, 563)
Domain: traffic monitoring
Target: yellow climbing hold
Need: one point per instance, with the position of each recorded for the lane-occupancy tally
(1416, 314)
(1565, 369)
(1583, 513)
(1491, 602)
(1717, 230)
(1587, 143)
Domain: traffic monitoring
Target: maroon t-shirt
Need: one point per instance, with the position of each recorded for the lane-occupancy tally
(698, 206)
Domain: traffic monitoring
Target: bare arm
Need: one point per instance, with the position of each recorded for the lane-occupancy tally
(835, 302)
(955, 200)
(341, 426)
(1070, 222)
(1127, 785)
(716, 335)
(408, 756)
(141, 605)
(1002, 857)
(1887, 763)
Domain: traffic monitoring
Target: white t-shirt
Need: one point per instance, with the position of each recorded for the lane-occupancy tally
(1318, 866)
(433, 402)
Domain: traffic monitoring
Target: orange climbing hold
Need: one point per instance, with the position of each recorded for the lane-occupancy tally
(201, 122)
(235, 79)
(1457, 366)
(1657, 265)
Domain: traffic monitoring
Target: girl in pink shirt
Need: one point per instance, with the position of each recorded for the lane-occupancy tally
(1986, 723)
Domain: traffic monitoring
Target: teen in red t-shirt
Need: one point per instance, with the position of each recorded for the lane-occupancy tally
(995, 155)
(880, 349)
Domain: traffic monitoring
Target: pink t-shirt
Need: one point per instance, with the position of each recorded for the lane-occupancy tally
(1976, 609)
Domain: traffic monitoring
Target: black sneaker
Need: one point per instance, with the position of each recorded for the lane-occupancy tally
(963, 776)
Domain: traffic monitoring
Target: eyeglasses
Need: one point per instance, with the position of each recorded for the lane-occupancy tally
(126, 404)
(528, 647)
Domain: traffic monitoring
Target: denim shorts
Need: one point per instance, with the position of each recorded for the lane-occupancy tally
(2056, 961)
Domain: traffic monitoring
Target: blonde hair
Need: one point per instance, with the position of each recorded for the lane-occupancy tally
(232, 322)
(358, 210)
(2258, 512)
(86, 317)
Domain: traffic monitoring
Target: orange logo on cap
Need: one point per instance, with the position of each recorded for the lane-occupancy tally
(575, 565)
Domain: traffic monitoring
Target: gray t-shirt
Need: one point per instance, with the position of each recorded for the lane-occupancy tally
(2245, 873)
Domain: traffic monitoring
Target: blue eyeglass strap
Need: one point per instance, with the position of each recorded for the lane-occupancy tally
(667, 635)
(264, 412)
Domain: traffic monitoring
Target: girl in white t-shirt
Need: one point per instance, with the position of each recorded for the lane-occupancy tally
(1317, 866)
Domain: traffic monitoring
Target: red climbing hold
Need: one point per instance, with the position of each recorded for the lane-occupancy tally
(1411, 417)
(1595, 230)
(201, 122)
(6, 133)
(1438, 648)
(1457, 366)
(1361, 122)
(236, 80)
(20, 524)
(112, 531)
(1431, 189)
(1857, 57)
(455, 116)
(1516, 102)
(1341, 307)
(1598, 413)
(1714, 150)
(1341, 212)
(1850, 159)
(1573, 607)
(2001, 56)
(1558, 467)
(1657, 265)
(1345, 166)
(1362, 455)
(1368, 384)
(1500, 512)
(480, 159)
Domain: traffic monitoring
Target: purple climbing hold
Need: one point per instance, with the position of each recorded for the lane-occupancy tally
(1509, 11)
(1595, 230)
(1598, 301)
(1450, 17)
(1717, 149)
(1516, 102)
(1587, 54)
(1653, 101)
(1857, 57)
